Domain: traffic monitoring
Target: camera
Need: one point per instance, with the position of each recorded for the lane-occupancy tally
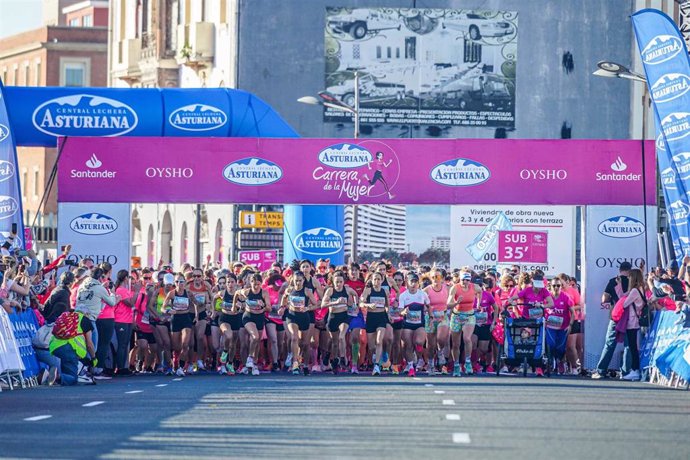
(71, 263)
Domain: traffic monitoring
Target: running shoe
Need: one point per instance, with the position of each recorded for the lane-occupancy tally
(354, 370)
(504, 370)
(224, 357)
(169, 371)
(456, 370)
(250, 362)
(420, 364)
(100, 376)
(85, 380)
(229, 369)
(255, 370)
(288, 360)
(490, 369)
(316, 369)
(476, 368)
(305, 370)
(540, 372)
(275, 367)
(334, 366)
(384, 357)
(441, 358)
(395, 369)
(468, 367)
(574, 372)
(160, 370)
(377, 370)
(430, 370)
(444, 370)
(561, 368)
(407, 367)
(411, 372)
(180, 372)
(244, 370)
(632, 376)
(295, 368)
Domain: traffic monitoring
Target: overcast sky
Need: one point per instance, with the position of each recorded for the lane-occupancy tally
(19, 15)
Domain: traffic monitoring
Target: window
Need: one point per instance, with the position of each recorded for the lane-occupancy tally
(473, 52)
(26, 75)
(4, 76)
(388, 52)
(35, 183)
(75, 22)
(87, 20)
(75, 72)
(15, 76)
(355, 51)
(378, 52)
(74, 75)
(25, 179)
(38, 73)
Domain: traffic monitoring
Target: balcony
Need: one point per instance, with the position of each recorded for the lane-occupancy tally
(126, 66)
(199, 41)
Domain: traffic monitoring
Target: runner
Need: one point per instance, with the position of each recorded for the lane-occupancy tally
(436, 322)
(375, 300)
(485, 314)
(182, 306)
(145, 338)
(461, 300)
(392, 291)
(256, 303)
(559, 320)
(311, 283)
(298, 300)
(415, 304)
(357, 322)
(395, 327)
(575, 348)
(275, 328)
(230, 321)
(337, 299)
(159, 318)
(213, 324)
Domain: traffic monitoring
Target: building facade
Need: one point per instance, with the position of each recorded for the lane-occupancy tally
(440, 242)
(53, 55)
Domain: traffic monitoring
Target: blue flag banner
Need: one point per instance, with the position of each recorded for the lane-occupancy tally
(24, 326)
(676, 357)
(660, 335)
(487, 239)
(665, 59)
(10, 195)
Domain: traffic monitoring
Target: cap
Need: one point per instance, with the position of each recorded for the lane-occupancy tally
(466, 276)
(478, 281)
(412, 277)
(168, 279)
(625, 266)
(238, 264)
(538, 281)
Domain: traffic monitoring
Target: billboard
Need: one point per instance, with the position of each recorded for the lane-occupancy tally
(423, 66)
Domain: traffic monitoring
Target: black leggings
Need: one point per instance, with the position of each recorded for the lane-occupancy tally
(105, 335)
(123, 331)
(634, 352)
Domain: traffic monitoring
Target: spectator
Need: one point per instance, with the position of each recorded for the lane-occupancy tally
(60, 295)
(73, 349)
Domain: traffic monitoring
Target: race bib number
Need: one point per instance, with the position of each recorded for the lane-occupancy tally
(274, 312)
(145, 318)
(297, 302)
(353, 310)
(554, 322)
(180, 303)
(481, 317)
(438, 315)
(226, 305)
(414, 317)
(254, 305)
(379, 302)
(535, 313)
(394, 314)
(200, 299)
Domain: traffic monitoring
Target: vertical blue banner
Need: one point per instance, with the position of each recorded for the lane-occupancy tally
(314, 232)
(665, 60)
(10, 194)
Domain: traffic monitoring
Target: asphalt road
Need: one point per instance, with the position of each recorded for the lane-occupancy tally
(324, 416)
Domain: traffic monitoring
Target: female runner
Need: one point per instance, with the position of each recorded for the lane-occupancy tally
(180, 304)
(375, 300)
(559, 320)
(395, 326)
(275, 329)
(357, 322)
(337, 299)
(256, 303)
(230, 321)
(461, 300)
(437, 327)
(298, 300)
(415, 304)
(159, 319)
(485, 314)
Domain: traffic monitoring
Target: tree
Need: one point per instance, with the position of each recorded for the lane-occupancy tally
(365, 256)
(391, 255)
(408, 257)
(437, 255)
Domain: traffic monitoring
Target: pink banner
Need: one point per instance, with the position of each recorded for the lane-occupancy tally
(260, 259)
(522, 247)
(368, 171)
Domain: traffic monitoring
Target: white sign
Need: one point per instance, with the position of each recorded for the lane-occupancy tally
(99, 231)
(467, 221)
(612, 235)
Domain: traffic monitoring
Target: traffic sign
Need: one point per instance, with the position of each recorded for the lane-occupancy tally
(522, 247)
(258, 219)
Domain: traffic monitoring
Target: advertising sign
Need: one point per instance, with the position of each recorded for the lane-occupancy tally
(260, 259)
(467, 222)
(99, 231)
(613, 234)
(520, 247)
(423, 66)
(10, 199)
(256, 219)
(368, 171)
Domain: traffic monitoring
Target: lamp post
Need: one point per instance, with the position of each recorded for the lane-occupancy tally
(328, 100)
(616, 70)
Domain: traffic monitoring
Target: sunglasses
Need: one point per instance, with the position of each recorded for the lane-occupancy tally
(556, 285)
(180, 282)
(323, 267)
(148, 277)
(363, 270)
(510, 285)
(197, 276)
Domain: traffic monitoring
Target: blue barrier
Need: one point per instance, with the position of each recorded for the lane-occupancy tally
(24, 327)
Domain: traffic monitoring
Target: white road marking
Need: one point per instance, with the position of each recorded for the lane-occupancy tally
(133, 392)
(417, 379)
(177, 379)
(452, 416)
(93, 403)
(461, 438)
(162, 385)
(37, 418)
(428, 384)
(439, 392)
(448, 402)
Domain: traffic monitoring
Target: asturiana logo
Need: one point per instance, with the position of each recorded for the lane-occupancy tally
(93, 224)
(676, 126)
(345, 156)
(8, 206)
(660, 143)
(621, 227)
(84, 115)
(668, 178)
(460, 172)
(670, 87)
(198, 117)
(679, 210)
(4, 132)
(320, 241)
(252, 171)
(682, 162)
(660, 49)
(6, 170)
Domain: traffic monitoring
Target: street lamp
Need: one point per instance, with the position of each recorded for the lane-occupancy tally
(616, 70)
(328, 100)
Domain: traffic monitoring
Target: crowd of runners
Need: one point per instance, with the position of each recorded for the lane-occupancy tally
(309, 318)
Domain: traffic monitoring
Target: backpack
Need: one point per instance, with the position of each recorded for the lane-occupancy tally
(617, 312)
(67, 325)
(43, 336)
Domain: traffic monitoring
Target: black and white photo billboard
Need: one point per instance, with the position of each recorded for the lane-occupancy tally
(423, 66)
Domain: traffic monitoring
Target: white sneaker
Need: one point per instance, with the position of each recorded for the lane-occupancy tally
(255, 370)
(316, 368)
(633, 376)
(244, 370)
(179, 372)
(288, 360)
(574, 372)
(354, 370)
(85, 380)
(200, 365)
(420, 363)
(504, 370)
(98, 377)
(250, 362)
(377, 370)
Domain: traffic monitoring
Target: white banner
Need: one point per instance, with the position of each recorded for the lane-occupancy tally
(10, 359)
(466, 222)
(613, 234)
(100, 231)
